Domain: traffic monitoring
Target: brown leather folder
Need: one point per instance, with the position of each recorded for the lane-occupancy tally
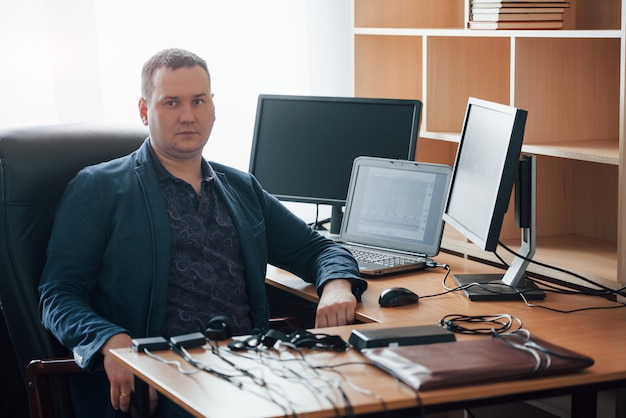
(491, 359)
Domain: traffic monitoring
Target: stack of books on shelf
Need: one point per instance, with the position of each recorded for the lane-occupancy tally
(514, 14)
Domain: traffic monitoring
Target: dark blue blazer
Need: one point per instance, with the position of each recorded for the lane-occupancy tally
(108, 257)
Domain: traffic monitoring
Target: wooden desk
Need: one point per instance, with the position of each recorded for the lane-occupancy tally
(600, 334)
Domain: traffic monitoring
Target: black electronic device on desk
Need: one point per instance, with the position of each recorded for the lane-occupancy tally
(304, 146)
(487, 166)
(397, 296)
(399, 336)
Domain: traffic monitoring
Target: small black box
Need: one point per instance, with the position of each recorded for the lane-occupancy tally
(150, 344)
(196, 339)
(410, 335)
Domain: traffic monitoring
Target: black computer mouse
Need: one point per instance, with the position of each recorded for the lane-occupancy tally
(397, 296)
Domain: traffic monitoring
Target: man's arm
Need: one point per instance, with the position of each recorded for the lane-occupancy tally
(287, 242)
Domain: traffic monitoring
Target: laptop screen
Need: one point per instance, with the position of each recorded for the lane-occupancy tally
(397, 205)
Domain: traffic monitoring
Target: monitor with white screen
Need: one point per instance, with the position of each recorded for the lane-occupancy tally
(487, 166)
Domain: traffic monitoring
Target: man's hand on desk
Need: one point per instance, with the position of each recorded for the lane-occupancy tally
(337, 304)
(121, 379)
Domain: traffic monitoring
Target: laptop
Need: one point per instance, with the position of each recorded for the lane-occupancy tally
(393, 219)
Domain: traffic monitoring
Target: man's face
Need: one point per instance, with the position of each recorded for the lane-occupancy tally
(180, 114)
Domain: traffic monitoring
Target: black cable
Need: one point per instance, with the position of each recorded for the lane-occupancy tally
(591, 292)
(318, 224)
(493, 324)
(317, 215)
(469, 412)
(349, 409)
(608, 290)
(618, 305)
(333, 368)
(551, 288)
(271, 393)
(587, 292)
(432, 264)
(315, 225)
(481, 285)
(262, 352)
(502, 260)
(420, 405)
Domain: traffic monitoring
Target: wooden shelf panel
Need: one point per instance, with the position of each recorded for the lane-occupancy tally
(436, 151)
(563, 34)
(388, 67)
(409, 13)
(570, 88)
(460, 68)
(597, 14)
(604, 151)
(591, 258)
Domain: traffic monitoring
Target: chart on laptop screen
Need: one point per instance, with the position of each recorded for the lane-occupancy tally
(396, 203)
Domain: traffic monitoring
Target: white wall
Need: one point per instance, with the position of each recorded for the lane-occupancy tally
(80, 60)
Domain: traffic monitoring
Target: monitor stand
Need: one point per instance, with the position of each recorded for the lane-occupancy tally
(492, 288)
(336, 217)
(509, 285)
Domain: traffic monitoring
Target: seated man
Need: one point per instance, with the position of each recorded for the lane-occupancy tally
(160, 241)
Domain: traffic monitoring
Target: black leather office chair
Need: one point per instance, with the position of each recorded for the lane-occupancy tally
(35, 166)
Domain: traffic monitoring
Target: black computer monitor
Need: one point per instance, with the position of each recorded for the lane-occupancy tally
(304, 146)
(487, 167)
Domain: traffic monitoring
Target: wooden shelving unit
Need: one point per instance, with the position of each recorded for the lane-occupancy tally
(571, 81)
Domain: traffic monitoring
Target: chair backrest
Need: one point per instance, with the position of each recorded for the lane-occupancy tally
(36, 163)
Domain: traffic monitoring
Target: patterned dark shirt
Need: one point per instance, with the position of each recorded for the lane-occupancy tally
(207, 275)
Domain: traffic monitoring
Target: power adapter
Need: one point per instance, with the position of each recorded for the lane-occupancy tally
(150, 344)
(195, 339)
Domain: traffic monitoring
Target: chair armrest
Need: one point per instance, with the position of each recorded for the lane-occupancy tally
(37, 368)
(38, 374)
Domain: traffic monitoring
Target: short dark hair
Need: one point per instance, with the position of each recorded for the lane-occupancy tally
(173, 58)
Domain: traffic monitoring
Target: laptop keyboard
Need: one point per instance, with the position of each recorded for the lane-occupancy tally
(375, 257)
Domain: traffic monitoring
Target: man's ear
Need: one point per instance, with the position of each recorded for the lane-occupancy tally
(143, 111)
